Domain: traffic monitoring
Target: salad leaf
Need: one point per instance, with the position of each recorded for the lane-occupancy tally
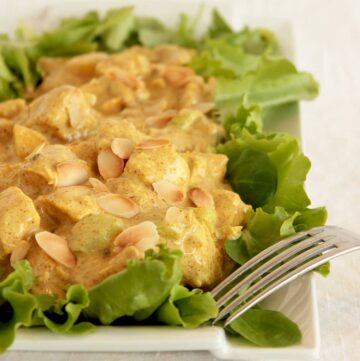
(267, 328)
(118, 25)
(275, 82)
(19, 307)
(218, 25)
(264, 229)
(280, 152)
(138, 290)
(187, 308)
(63, 315)
(16, 303)
(151, 32)
(254, 176)
(247, 116)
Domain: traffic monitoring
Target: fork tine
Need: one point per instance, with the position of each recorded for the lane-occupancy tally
(278, 246)
(296, 261)
(269, 265)
(289, 277)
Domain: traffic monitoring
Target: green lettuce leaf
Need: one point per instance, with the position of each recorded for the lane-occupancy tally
(274, 82)
(218, 26)
(117, 27)
(264, 229)
(16, 303)
(138, 290)
(63, 315)
(248, 116)
(152, 32)
(267, 328)
(279, 179)
(187, 308)
(19, 307)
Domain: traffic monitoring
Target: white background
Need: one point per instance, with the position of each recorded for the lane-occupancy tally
(327, 38)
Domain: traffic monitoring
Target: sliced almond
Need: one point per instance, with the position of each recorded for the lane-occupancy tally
(174, 215)
(178, 76)
(56, 247)
(77, 108)
(161, 120)
(19, 252)
(118, 205)
(98, 185)
(37, 150)
(122, 147)
(204, 107)
(169, 191)
(201, 197)
(112, 106)
(125, 77)
(109, 164)
(153, 143)
(71, 174)
(144, 236)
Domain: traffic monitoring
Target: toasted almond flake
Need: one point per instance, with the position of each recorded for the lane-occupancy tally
(98, 185)
(109, 164)
(153, 143)
(178, 76)
(204, 107)
(71, 174)
(37, 150)
(111, 106)
(201, 197)
(144, 236)
(122, 147)
(161, 120)
(56, 247)
(118, 205)
(125, 77)
(174, 215)
(169, 191)
(19, 252)
(77, 109)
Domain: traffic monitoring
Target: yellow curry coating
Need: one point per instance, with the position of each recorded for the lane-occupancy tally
(114, 154)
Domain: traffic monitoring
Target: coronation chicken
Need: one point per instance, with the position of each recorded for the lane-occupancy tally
(115, 155)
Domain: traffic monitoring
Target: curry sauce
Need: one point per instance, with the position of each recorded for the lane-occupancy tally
(113, 155)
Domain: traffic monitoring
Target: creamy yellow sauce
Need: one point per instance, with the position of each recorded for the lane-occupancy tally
(53, 149)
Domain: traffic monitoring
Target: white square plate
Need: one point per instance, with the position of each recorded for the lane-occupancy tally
(297, 300)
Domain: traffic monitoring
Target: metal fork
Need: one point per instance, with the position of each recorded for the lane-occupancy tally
(278, 265)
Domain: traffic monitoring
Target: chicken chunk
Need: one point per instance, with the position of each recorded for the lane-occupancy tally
(231, 212)
(26, 140)
(64, 112)
(193, 233)
(106, 88)
(208, 168)
(117, 128)
(143, 195)
(40, 170)
(190, 130)
(11, 108)
(18, 219)
(9, 173)
(69, 203)
(75, 71)
(162, 163)
(86, 150)
(51, 276)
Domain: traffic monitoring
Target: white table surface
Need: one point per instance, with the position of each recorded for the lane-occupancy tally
(327, 34)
